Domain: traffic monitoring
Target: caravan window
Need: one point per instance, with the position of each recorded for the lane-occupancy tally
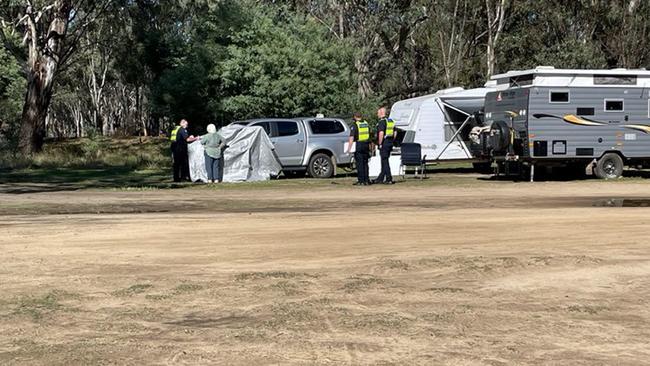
(558, 97)
(614, 80)
(583, 111)
(522, 80)
(614, 105)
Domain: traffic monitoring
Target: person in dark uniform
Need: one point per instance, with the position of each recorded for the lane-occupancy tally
(385, 135)
(179, 150)
(172, 138)
(360, 134)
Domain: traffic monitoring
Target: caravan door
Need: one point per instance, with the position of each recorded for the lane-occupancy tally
(433, 132)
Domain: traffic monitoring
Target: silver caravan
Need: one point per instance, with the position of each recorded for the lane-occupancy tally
(594, 119)
(441, 123)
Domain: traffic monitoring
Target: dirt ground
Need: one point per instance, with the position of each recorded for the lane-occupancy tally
(452, 271)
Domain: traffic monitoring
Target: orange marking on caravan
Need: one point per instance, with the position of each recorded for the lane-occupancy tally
(643, 128)
(579, 121)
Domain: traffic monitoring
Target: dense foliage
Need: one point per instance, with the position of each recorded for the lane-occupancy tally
(12, 88)
(141, 65)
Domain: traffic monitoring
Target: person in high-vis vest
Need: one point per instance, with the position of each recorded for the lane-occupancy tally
(385, 135)
(179, 138)
(172, 139)
(360, 136)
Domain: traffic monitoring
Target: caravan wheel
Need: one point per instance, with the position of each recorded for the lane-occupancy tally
(610, 166)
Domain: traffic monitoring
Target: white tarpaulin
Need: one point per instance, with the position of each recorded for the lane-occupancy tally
(249, 156)
(374, 165)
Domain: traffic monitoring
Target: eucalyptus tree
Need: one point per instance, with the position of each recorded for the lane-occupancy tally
(51, 31)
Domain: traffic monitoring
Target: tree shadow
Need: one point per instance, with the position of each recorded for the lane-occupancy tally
(43, 180)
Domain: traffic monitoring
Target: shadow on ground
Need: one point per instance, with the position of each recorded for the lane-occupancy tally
(43, 180)
(70, 179)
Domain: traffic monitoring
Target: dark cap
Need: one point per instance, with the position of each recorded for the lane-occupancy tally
(357, 115)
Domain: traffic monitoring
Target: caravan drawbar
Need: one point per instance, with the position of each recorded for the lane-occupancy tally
(596, 119)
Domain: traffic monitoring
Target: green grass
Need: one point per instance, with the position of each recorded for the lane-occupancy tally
(89, 163)
(141, 164)
(61, 179)
(100, 152)
(124, 178)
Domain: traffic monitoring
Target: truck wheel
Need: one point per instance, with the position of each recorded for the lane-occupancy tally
(610, 166)
(321, 166)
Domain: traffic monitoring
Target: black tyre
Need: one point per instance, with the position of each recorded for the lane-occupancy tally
(499, 137)
(610, 166)
(321, 166)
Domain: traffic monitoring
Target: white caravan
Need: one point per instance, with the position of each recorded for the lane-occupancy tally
(440, 123)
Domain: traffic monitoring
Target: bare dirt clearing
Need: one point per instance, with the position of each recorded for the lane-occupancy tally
(448, 272)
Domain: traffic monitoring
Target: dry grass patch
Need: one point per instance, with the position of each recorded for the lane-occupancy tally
(248, 276)
(132, 290)
(37, 307)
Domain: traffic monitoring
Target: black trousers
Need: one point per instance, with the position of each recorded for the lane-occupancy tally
(384, 153)
(362, 155)
(181, 165)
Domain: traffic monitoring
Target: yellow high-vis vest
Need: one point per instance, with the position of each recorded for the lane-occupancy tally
(364, 131)
(390, 128)
(172, 138)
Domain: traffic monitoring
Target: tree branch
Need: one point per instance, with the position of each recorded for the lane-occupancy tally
(331, 29)
(83, 28)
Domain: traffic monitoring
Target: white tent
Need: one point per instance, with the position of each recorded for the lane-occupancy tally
(249, 156)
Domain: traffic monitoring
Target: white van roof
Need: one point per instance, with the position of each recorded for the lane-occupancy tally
(552, 71)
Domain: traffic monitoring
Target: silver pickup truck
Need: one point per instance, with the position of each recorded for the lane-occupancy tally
(313, 145)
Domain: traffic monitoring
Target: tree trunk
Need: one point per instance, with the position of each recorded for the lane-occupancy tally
(77, 123)
(138, 111)
(490, 56)
(496, 16)
(44, 44)
(37, 102)
(363, 83)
